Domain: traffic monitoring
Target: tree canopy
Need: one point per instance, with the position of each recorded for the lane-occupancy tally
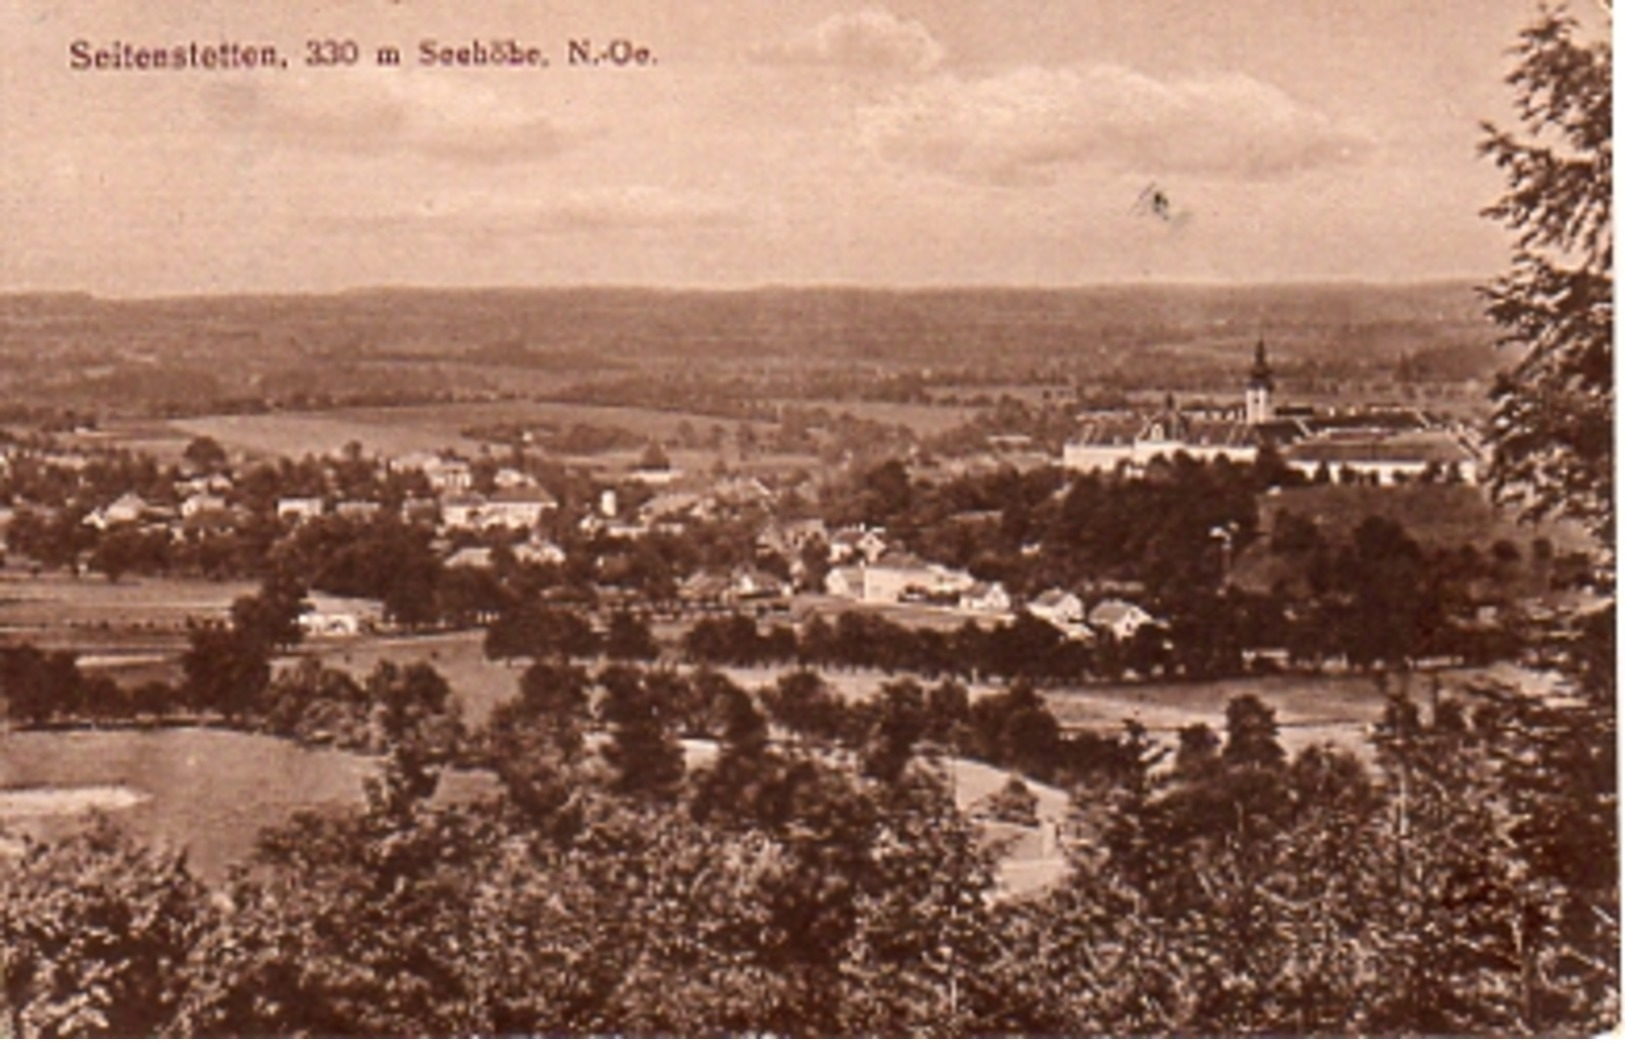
(1553, 424)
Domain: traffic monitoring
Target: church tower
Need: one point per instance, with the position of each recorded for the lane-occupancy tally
(1260, 383)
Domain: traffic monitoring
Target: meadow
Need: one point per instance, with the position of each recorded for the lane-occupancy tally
(206, 790)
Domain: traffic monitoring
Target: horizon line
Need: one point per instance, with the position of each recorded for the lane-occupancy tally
(761, 287)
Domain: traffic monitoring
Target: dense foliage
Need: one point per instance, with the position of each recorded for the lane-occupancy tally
(829, 887)
(1554, 419)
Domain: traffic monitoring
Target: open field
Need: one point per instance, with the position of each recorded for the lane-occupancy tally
(398, 430)
(132, 629)
(1310, 710)
(924, 419)
(301, 434)
(211, 792)
(479, 683)
(207, 790)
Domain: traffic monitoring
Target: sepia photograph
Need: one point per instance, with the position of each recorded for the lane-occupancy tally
(810, 518)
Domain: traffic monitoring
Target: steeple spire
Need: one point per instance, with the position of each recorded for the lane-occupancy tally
(1262, 376)
(1260, 383)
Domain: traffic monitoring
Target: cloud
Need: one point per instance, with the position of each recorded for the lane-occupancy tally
(624, 207)
(1022, 126)
(427, 116)
(869, 41)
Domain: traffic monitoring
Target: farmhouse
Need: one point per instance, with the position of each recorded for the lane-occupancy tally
(790, 538)
(1057, 607)
(857, 542)
(469, 558)
(202, 503)
(461, 511)
(122, 511)
(845, 581)
(330, 616)
(512, 478)
(357, 510)
(539, 552)
(713, 587)
(517, 508)
(1119, 619)
(985, 597)
(897, 576)
(449, 475)
(296, 509)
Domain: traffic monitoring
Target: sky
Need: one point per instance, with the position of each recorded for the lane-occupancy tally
(770, 142)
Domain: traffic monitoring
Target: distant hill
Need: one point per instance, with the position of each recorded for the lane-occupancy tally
(1126, 336)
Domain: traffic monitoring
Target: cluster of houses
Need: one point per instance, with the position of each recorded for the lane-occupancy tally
(1381, 445)
(867, 570)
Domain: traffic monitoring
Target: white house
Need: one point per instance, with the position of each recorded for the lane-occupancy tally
(845, 581)
(330, 616)
(512, 478)
(469, 558)
(1118, 618)
(298, 509)
(857, 542)
(539, 552)
(447, 475)
(462, 511)
(985, 597)
(1057, 607)
(516, 508)
(357, 510)
(126, 509)
(202, 503)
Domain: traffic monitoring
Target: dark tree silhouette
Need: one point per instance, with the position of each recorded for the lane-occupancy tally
(1553, 423)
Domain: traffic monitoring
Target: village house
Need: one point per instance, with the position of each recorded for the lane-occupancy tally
(512, 478)
(298, 509)
(845, 581)
(655, 476)
(202, 503)
(517, 508)
(671, 508)
(753, 583)
(447, 475)
(420, 510)
(330, 616)
(1057, 607)
(461, 511)
(209, 483)
(357, 510)
(469, 558)
(1118, 618)
(715, 588)
(539, 552)
(897, 576)
(988, 598)
(857, 542)
(126, 510)
(791, 538)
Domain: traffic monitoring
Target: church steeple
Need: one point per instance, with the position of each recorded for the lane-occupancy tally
(1260, 383)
